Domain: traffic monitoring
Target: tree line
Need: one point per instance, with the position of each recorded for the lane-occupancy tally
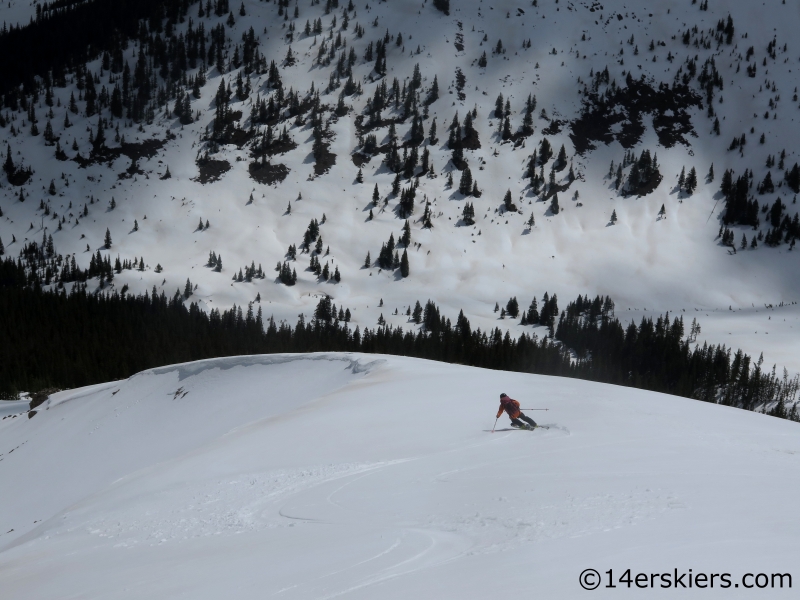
(55, 338)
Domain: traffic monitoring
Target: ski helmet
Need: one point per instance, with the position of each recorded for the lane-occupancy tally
(504, 395)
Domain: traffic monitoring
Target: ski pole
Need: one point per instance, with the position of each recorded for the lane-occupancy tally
(534, 409)
(495, 424)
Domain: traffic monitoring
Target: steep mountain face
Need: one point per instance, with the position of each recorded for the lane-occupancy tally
(262, 149)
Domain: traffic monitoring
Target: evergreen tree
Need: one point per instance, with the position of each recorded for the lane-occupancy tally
(554, 208)
(442, 5)
(404, 264)
(561, 160)
(416, 316)
(9, 167)
(498, 106)
(432, 132)
(691, 182)
(468, 214)
(405, 239)
(465, 185)
(545, 151)
(107, 240)
(433, 94)
(512, 308)
(613, 217)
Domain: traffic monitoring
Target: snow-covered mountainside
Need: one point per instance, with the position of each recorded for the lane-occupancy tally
(606, 81)
(331, 475)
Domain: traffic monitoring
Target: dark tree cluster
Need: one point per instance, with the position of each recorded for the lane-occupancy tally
(442, 5)
(325, 312)
(389, 257)
(96, 338)
(644, 176)
(286, 274)
(468, 214)
(249, 273)
(783, 228)
(658, 351)
(740, 207)
(40, 265)
(547, 315)
(405, 208)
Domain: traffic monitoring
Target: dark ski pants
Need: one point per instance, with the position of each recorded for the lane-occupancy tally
(528, 420)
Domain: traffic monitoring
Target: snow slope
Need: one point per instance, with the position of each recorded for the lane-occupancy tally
(330, 475)
(643, 262)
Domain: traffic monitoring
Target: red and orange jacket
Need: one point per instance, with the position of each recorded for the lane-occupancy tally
(510, 406)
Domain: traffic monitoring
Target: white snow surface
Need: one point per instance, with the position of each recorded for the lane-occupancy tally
(354, 476)
(646, 264)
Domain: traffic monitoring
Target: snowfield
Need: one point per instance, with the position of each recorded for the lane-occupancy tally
(353, 476)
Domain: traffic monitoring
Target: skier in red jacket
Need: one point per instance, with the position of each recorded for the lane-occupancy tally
(511, 407)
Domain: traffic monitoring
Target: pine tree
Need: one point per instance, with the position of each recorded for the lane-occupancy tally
(554, 207)
(468, 214)
(506, 134)
(100, 136)
(405, 238)
(682, 179)
(691, 181)
(416, 316)
(9, 167)
(107, 241)
(508, 203)
(465, 185)
(375, 195)
(512, 308)
(545, 151)
(613, 217)
(367, 261)
(404, 264)
(433, 94)
(561, 160)
(442, 5)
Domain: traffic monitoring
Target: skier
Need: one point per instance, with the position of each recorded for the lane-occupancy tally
(511, 407)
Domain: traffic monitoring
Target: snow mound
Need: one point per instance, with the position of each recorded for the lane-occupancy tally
(330, 475)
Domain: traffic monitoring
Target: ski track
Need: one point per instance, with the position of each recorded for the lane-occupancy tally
(359, 491)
